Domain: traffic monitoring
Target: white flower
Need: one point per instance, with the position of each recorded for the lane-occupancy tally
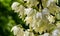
(15, 30)
(51, 19)
(45, 11)
(28, 20)
(45, 14)
(21, 11)
(15, 5)
(55, 32)
(21, 8)
(39, 15)
(29, 11)
(49, 2)
(38, 21)
(46, 34)
(28, 32)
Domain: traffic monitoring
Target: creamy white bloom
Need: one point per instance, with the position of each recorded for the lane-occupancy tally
(21, 8)
(38, 21)
(28, 20)
(46, 34)
(49, 2)
(15, 5)
(28, 11)
(56, 32)
(51, 19)
(45, 11)
(17, 31)
(26, 33)
(21, 11)
(45, 14)
(39, 15)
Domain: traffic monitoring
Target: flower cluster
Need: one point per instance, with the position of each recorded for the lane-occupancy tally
(39, 21)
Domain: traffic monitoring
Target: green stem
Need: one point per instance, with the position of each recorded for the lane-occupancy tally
(41, 4)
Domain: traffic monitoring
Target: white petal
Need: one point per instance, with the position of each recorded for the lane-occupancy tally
(15, 30)
(39, 15)
(46, 34)
(14, 5)
(49, 2)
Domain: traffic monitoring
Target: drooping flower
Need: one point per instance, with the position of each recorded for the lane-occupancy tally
(15, 5)
(17, 31)
(56, 32)
(49, 2)
(28, 33)
(28, 20)
(30, 12)
(51, 19)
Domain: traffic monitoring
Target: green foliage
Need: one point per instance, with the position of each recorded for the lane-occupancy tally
(7, 18)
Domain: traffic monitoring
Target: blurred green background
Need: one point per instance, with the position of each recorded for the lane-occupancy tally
(8, 18)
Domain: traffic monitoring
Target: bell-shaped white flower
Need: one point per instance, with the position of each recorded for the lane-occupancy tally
(46, 34)
(17, 31)
(49, 2)
(56, 32)
(21, 11)
(45, 14)
(29, 11)
(28, 20)
(39, 15)
(45, 11)
(51, 19)
(28, 32)
(15, 5)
